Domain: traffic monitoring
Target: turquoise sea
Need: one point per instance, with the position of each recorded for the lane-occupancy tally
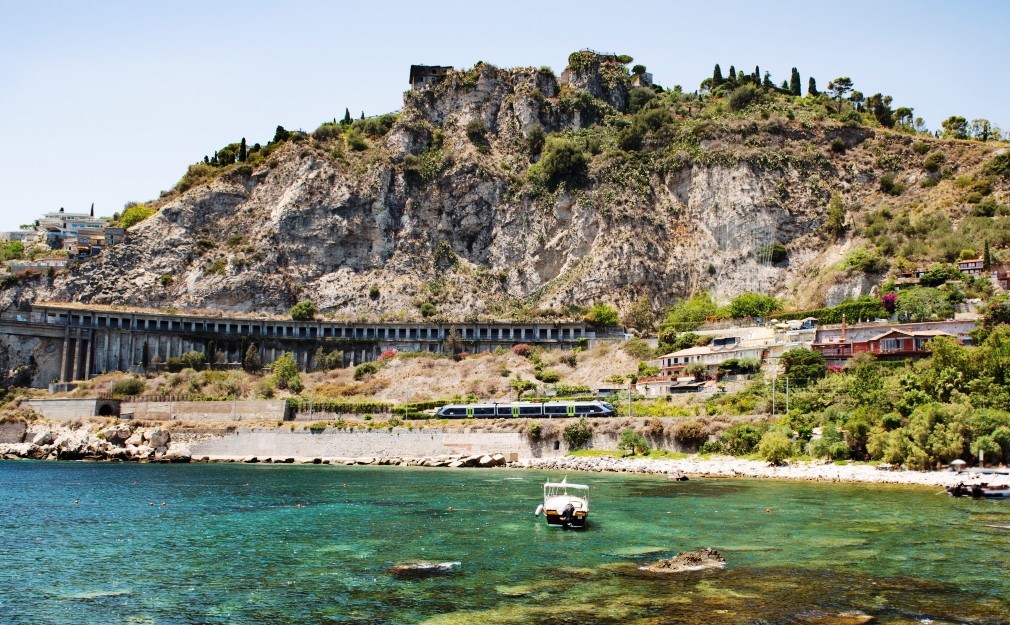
(232, 545)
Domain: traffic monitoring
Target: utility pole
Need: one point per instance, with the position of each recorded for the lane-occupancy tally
(629, 397)
(787, 395)
(773, 396)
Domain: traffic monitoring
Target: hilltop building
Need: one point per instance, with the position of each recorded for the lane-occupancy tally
(423, 75)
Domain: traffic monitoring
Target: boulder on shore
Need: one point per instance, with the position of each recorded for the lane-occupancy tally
(685, 561)
(423, 569)
(157, 437)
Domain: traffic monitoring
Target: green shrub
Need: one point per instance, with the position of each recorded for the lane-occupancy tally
(742, 97)
(548, 376)
(837, 145)
(365, 368)
(192, 360)
(638, 348)
(998, 165)
(742, 438)
(356, 142)
(630, 138)
(890, 186)
(129, 387)
(165, 279)
(328, 131)
(803, 366)
(428, 309)
(920, 147)
(318, 426)
(304, 311)
(373, 292)
(562, 160)
(602, 315)
(775, 447)
(690, 431)
(174, 365)
(134, 215)
(476, 131)
(752, 305)
(218, 266)
(639, 97)
(633, 441)
(578, 434)
(933, 162)
(862, 259)
(533, 430)
(774, 252)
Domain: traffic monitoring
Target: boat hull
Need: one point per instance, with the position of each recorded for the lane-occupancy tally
(979, 492)
(577, 522)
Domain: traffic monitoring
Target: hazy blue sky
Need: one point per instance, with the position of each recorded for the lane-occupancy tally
(108, 102)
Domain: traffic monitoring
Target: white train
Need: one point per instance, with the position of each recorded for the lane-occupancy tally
(560, 409)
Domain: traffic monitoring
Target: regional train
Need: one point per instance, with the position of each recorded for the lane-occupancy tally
(560, 409)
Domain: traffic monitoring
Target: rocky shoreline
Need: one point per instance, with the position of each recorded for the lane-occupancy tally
(153, 443)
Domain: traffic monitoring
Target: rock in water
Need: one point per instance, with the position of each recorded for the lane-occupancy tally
(685, 561)
(423, 569)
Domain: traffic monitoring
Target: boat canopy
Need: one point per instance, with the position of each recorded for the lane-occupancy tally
(565, 485)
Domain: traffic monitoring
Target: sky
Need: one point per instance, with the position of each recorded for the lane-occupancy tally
(108, 102)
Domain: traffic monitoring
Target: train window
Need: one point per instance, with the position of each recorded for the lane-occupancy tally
(483, 412)
(504, 410)
(582, 409)
(454, 412)
(562, 409)
(530, 410)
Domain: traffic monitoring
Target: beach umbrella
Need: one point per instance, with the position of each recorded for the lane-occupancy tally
(958, 464)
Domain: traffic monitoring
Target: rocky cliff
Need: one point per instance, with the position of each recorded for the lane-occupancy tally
(464, 214)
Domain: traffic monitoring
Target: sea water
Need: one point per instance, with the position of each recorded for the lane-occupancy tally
(315, 544)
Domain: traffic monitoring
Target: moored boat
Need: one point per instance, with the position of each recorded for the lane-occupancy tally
(983, 490)
(564, 509)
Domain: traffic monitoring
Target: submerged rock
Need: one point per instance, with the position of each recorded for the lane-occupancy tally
(423, 569)
(689, 561)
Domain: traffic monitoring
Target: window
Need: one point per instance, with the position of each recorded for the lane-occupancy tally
(424, 333)
(888, 345)
(530, 410)
(483, 412)
(504, 410)
(459, 411)
(413, 333)
(556, 409)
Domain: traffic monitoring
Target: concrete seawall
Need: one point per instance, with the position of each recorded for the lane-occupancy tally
(264, 410)
(397, 442)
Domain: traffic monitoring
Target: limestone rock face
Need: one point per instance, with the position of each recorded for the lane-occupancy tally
(157, 438)
(42, 438)
(663, 222)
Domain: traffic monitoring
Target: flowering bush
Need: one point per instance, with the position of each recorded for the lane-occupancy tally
(386, 355)
(889, 301)
(522, 349)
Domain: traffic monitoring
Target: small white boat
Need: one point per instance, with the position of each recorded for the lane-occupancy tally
(979, 490)
(564, 509)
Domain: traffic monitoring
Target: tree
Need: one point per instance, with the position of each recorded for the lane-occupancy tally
(717, 77)
(835, 222)
(602, 315)
(803, 366)
(904, 115)
(986, 257)
(955, 127)
(775, 447)
(286, 373)
(563, 159)
(520, 386)
(144, 361)
(640, 316)
(452, 344)
(981, 130)
(252, 362)
(535, 139)
(192, 360)
(346, 121)
(304, 311)
(134, 215)
(812, 87)
(731, 77)
(578, 434)
(638, 70)
(281, 135)
(880, 106)
(633, 441)
(428, 309)
(242, 151)
(752, 305)
(794, 83)
(923, 304)
(838, 88)
(690, 313)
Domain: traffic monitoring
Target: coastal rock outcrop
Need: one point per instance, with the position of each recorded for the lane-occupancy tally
(686, 561)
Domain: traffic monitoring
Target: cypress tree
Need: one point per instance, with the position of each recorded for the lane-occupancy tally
(757, 75)
(812, 87)
(986, 259)
(242, 151)
(716, 76)
(346, 121)
(785, 86)
(362, 115)
(732, 74)
(144, 360)
(794, 83)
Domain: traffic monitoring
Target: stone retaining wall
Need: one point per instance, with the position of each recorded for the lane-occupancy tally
(276, 410)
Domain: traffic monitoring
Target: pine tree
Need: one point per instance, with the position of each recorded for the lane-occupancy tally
(346, 121)
(242, 151)
(794, 83)
(252, 361)
(986, 259)
(812, 87)
(716, 76)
